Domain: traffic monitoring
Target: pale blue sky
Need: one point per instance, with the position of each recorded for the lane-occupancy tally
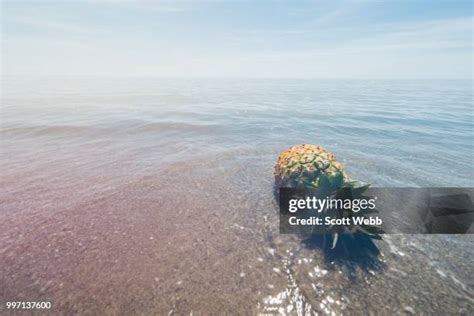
(312, 39)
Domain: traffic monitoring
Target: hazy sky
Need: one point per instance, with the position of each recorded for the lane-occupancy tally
(317, 39)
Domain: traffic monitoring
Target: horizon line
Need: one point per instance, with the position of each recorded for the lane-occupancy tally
(6, 76)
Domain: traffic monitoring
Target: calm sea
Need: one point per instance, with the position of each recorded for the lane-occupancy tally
(152, 195)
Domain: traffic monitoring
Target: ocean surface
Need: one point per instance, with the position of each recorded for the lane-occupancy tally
(145, 195)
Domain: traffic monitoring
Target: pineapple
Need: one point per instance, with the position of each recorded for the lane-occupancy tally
(308, 166)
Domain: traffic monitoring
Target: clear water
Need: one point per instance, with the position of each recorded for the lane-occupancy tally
(152, 195)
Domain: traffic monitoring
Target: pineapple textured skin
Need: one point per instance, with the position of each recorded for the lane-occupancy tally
(309, 166)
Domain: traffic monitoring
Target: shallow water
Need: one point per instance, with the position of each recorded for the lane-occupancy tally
(155, 196)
